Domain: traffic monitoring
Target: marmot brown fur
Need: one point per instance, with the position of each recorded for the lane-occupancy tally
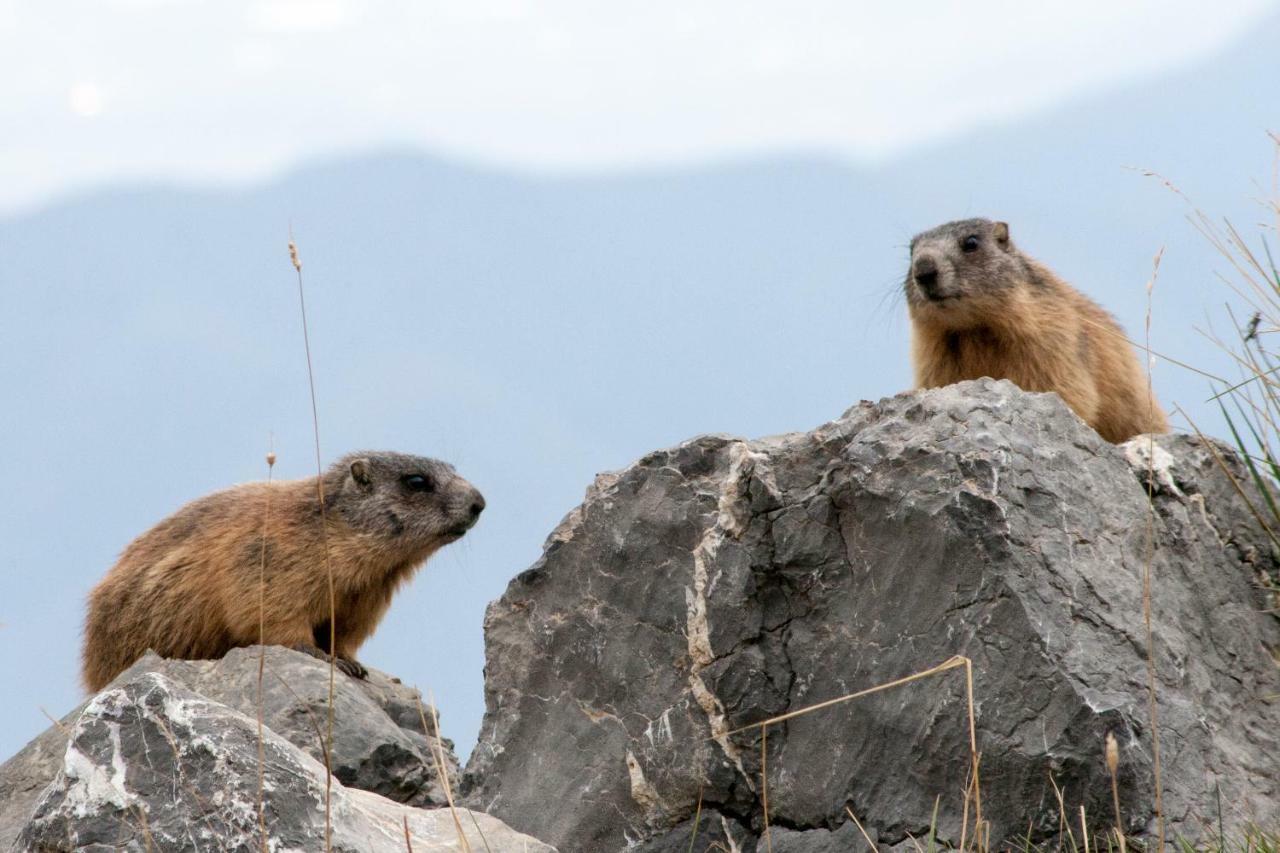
(979, 307)
(189, 587)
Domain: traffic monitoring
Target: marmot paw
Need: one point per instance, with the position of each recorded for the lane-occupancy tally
(352, 667)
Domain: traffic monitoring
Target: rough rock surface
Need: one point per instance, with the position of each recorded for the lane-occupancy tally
(380, 744)
(151, 765)
(721, 582)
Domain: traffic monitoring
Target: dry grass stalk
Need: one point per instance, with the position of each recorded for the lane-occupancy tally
(56, 723)
(970, 791)
(764, 784)
(480, 832)
(1113, 767)
(311, 718)
(954, 662)
(1146, 577)
(442, 771)
(408, 842)
(324, 536)
(1064, 823)
(262, 653)
(148, 842)
(871, 845)
(697, 818)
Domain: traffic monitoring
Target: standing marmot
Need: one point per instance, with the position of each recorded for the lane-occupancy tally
(189, 587)
(979, 307)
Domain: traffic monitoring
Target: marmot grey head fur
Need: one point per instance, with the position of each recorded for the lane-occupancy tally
(961, 271)
(414, 499)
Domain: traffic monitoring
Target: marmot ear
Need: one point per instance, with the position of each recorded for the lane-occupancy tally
(1002, 233)
(360, 472)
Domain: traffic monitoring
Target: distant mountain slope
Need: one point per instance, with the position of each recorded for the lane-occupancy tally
(536, 330)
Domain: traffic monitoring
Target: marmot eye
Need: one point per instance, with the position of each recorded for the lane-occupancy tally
(418, 483)
(970, 243)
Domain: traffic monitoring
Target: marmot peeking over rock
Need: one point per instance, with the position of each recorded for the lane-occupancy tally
(979, 307)
(189, 587)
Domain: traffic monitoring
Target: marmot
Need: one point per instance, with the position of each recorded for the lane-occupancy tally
(189, 587)
(979, 307)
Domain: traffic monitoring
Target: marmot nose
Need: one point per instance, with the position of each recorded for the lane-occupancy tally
(925, 272)
(477, 505)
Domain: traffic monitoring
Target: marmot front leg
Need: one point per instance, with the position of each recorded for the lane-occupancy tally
(296, 634)
(346, 655)
(349, 666)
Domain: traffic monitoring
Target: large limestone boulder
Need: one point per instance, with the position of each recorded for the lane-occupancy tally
(166, 758)
(722, 582)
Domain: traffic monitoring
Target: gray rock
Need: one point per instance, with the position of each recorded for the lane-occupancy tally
(719, 583)
(25, 776)
(846, 839)
(151, 765)
(715, 834)
(379, 742)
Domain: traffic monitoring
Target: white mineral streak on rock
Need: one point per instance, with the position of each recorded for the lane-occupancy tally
(97, 784)
(733, 513)
(641, 791)
(1147, 457)
(728, 834)
(659, 730)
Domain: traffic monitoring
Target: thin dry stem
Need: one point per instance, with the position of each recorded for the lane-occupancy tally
(975, 757)
(1146, 579)
(262, 652)
(954, 662)
(311, 717)
(56, 723)
(950, 663)
(1064, 824)
(442, 772)
(324, 537)
(764, 784)
(147, 840)
(1113, 767)
(870, 844)
(480, 831)
(697, 817)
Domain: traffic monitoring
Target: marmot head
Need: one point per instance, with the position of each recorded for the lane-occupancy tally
(409, 502)
(963, 274)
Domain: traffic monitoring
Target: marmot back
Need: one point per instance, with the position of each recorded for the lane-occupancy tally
(189, 587)
(979, 307)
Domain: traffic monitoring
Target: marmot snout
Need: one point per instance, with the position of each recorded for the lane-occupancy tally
(979, 307)
(189, 587)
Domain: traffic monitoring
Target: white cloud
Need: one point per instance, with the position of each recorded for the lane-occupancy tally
(254, 57)
(238, 87)
(85, 99)
(288, 16)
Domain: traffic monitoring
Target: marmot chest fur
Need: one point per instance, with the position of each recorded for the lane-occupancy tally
(200, 582)
(979, 307)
